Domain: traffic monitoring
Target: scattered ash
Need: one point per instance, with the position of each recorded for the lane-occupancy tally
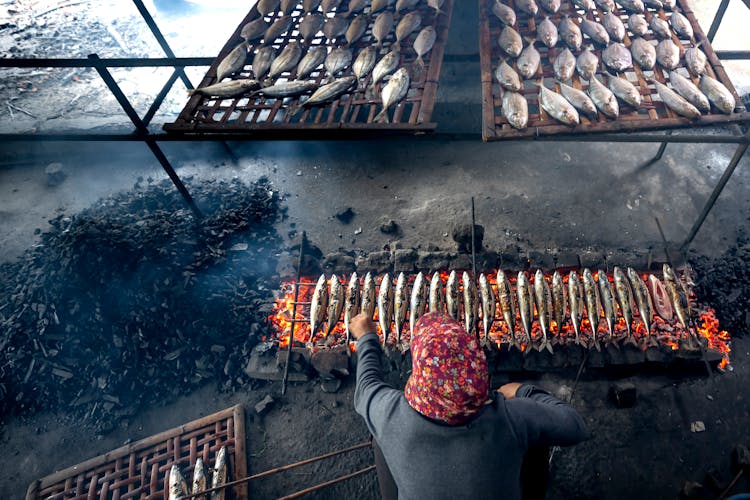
(132, 301)
(724, 283)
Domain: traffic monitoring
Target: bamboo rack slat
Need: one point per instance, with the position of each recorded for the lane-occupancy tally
(139, 470)
(652, 114)
(354, 112)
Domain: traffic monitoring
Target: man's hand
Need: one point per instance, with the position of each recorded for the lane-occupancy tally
(360, 325)
(509, 390)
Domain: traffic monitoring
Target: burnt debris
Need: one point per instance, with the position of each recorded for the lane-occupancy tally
(133, 301)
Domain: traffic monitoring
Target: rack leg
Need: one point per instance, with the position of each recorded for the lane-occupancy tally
(659, 155)
(717, 20)
(230, 153)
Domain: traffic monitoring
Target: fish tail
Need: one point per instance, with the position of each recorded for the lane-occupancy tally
(420, 61)
(382, 116)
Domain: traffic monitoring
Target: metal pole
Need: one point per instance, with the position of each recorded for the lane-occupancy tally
(717, 20)
(320, 486)
(285, 378)
(664, 241)
(473, 236)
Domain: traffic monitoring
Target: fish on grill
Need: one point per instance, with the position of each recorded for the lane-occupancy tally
(266, 7)
(525, 304)
(695, 60)
(644, 54)
(614, 26)
(437, 5)
(528, 6)
(718, 94)
(576, 303)
(661, 301)
(559, 310)
(543, 308)
(393, 92)
(643, 301)
(312, 60)
(507, 77)
(528, 61)
(436, 294)
(351, 303)
(310, 26)
(681, 25)
(337, 60)
(625, 90)
(510, 41)
(669, 4)
(262, 60)
(591, 294)
(328, 92)
(378, 5)
(637, 24)
(632, 5)
(200, 479)
(310, 5)
(335, 27)
(406, 5)
(604, 99)
(400, 305)
(515, 109)
(668, 54)
(617, 57)
(507, 306)
(471, 304)
(221, 474)
(546, 32)
(676, 102)
(291, 88)
(335, 304)
(232, 62)
(231, 88)
(277, 29)
(368, 296)
(356, 6)
(178, 487)
(385, 66)
(579, 100)
(608, 302)
(586, 63)
(506, 14)
(605, 4)
(564, 65)
(451, 295)
(557, 106)
(586, 5)
(550, 5)
(365, 62)
(418, 302)
(408, 24)
(595, 32)
(660, 27)
(318, 306)
(625, 301)
(676, 295)
(288, 59)
(254, 29)
(385, 306)
(330, 5)
(423, 43)
(288, 6)
(382, 27)
(655, 4)
(488, 306)
(687, 89)
(570, 33)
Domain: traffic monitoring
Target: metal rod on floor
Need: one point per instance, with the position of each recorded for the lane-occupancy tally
(739, 152)
(320, 486)
(285, 379)
(717, 20)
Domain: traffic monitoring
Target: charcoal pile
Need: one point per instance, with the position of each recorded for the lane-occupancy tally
(134, 301)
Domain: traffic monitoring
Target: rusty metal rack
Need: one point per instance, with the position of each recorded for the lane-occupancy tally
(652, 114)
(264, 116)
(141, 469)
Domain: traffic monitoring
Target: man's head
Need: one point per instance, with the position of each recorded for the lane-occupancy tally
(449, 380)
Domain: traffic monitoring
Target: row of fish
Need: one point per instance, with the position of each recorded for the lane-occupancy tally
(550, 303)
(178, 488)
(531, 7)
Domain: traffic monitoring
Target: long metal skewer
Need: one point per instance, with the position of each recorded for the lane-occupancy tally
(285, 379)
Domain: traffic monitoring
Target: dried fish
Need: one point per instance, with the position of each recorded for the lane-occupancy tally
(277, 29)
(546, 32)
(488, 305)
(221, 474)
(254, 29)
(378, 5)
(406, 5)
(595, 32)
(424, 42)
(576, 303)
(337, 60)
(625, 90)
(385, 66)
(687, 89)
(312, 60)
(515, 108)
(357, 28)
(400, 305)
(200, 479)
(335, 27)
(625, 300)
(231, 88)
(718, 94)
(655, 4)
(632, 5)
(335, 304)
(586, 5)
(557, 106)
(695, 60)
(606, 4)
(642, 298)
(329, 5)
(507, 306)
(418, 301)
(564, 65)
(643, 53)
(288, 6)
(368, 296)
(506, 14)
(262, 60)
(591, 294)
(586, 63)
(614, 26)
(507, 77)
(570, 33)
(579, 100)
(471, 304)
(232, 62)
(356, 6)
(675, 102)
(525, 304)
(436, 294)
(604, 99)
(550, 5)
(451, 295)
(318, 306)
(393, 92)
(310, 26)
(637, 24)
(310, 5)
(510, 41)
(288, 59)
(385, 306)
(365, 62)
(382, 27)
(528, 61)
(608, 302)
(681, 25)
(679, 301)
(266, 7)
(408, 24)
(437, 5)
(351, 303)
(178, 487)
(669, 4)
(543, 309)
(527, 6)
(617, 57)
(668, 54)
(660, 27)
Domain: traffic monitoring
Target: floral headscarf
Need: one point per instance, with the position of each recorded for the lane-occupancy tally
(449, 378)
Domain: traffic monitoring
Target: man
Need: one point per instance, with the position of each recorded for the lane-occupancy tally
(443, 437)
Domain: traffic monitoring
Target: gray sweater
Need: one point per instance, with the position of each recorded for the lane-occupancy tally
(479, 460)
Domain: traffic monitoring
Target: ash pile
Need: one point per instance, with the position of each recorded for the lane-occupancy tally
(134, 301)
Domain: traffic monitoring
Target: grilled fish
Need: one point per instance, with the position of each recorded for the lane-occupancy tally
(668, 54)
(656, 4)
(287, 6)
(351, 303)
(378, 5)
(579, 100)
(368, 296)
(695, 60)
(605, 4)
(406, 5)
(543, 308)
(558, 301)
(557, 106)
(608, 302)
(329, 5)
(586, 63)
(625, 300)
(527, 6)
(675, 295)
(230, 88)
(617, 57)
(591, 294)
(400, 305)
(418, 301)
(335, 304)
(687, 89)
(356, 6)
(329, 91)
(595, 31)
(488, 305)
(408, 24)
(675, 102)
(625, 90)
(266, 7)
(564, 65)
(632, 5)
(200, 479)
(364, 62)
(382, 27)
(681, 25)
(312, 60)
(510, 41)
(178, 487)
(614, 26)
(424, 42)
(506, 15)
(643, 52)
(669, 4)
(570, 33)
(515, 109)
(437, 5)
(471, 304)
(660, 27)
(310, 26)
(291, 88)
(437, 296)
(660, 299)
(335, 27)
(262, 60)
(576, 303)
(586, 5)
(604, 99)
(221, 474)
(278, 28)
(451, 296)
(318, 306)
(718, 94)
(525, 304)
(385, 306)
(642, 299)
(637, 24)
(385, 66)
(393, 92)
(528, 61)
(507, 307)
(507, 77)
(337, 60)
(310, 5)
(232, 62)
(546, 32)
(288, 59)
(254, 29)
(550, 5)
